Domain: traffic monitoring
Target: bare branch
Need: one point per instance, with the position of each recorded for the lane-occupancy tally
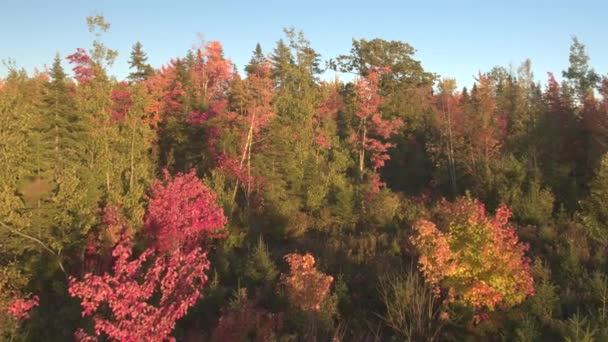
(42, 244)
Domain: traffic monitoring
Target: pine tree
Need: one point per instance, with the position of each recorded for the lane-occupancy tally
(142, 70)
(259, 267)
(257, 60)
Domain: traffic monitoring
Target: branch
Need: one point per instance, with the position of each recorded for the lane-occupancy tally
(29, 237)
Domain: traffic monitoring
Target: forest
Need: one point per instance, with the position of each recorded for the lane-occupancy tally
(202, 202)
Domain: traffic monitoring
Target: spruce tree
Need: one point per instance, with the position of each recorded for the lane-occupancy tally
(138, 62)
(282, 60)
(257, 59)
(63, 132)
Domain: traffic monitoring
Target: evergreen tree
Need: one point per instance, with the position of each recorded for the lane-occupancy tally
(137, 61)
(595, 211)
(581, 77)
(297, 163)
(257, 60)
(289, 162)
(282, 61)
(15, 130)
(63, 133)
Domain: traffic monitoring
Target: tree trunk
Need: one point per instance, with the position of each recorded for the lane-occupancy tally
(132, 157)
(246, 152)
(451, 163)
(362, 150)
(108, 162)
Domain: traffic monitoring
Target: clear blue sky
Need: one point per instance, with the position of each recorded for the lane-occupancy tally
(453, 38)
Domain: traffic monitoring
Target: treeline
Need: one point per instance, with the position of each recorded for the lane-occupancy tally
(195, 203)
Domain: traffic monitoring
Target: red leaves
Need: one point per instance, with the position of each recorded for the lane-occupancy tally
(331, 105)
(322, 142)
(478, 259)
(435, 254)
(122, 101)
(211, 73)
(165, 93)
(306, 286)
(232, 168)
(181, 215)
(484, 128)
(129, 291)
(367, 94)
(218, 107)
(20, 308)
(253, 116)
(325, 116)
(83, 65)
(373, 129)
(260, 88)
(552, 95)
(208, 74)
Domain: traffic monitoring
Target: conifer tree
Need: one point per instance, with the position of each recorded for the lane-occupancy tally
(65, 131)
(257, 60)
(138, 62)
(581, 77)
(595, 212)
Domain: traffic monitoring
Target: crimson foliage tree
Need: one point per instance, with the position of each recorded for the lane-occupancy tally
(83, 65)
(143, 297)
(373, 130)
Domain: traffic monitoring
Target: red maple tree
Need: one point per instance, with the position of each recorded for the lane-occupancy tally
(211, 72)
(122, 101)
(83, 65)
(373, 129)
(326, 113)
(165, 92)
(144, 296)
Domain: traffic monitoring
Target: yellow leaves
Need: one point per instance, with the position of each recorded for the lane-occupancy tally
(477, 258)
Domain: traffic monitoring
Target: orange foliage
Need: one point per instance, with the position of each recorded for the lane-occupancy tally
(476, 258)
(306, 286)
(165, 92)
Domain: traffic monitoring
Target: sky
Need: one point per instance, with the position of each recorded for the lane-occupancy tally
(455, 39)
